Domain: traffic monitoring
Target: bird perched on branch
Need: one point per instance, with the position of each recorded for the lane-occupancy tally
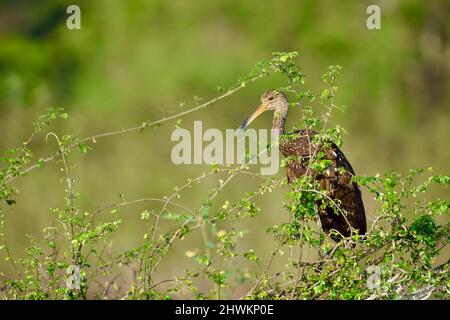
(348, 213)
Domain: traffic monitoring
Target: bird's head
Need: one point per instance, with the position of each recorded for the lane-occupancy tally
(270, 100)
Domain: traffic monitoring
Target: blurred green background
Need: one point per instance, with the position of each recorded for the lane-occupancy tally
(138, 60)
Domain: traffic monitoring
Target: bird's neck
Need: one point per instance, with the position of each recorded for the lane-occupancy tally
(279, 120)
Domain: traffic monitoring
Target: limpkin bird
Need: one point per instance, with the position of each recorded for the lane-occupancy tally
(336, 179)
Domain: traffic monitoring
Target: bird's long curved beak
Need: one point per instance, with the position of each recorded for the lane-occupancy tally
(261, 108)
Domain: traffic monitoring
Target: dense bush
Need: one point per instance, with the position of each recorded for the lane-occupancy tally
(396, 259)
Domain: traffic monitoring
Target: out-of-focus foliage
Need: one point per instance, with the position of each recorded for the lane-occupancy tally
(135, 61)
(396, 258)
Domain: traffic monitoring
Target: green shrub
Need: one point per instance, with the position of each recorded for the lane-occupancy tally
(396, 259)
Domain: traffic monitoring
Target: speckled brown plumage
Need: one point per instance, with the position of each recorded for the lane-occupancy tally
(335, 180)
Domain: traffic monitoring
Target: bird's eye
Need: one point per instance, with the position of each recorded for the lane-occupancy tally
(270, 98)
